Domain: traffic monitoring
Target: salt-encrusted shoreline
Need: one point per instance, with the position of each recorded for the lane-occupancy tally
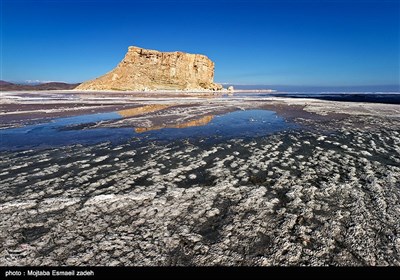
(324, 194)
(19, 108)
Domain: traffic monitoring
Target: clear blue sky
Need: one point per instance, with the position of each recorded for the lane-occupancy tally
(305, 42)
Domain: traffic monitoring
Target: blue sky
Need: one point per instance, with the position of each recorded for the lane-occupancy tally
(305, 42)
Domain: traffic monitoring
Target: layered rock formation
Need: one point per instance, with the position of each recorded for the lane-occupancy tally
(143, 69)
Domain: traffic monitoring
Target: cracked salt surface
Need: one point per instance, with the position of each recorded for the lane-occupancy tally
(325, 195)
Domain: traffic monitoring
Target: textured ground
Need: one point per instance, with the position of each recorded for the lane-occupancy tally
(325, 194)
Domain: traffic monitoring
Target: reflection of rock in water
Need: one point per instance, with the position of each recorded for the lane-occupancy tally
(142, 110)
(198, 122)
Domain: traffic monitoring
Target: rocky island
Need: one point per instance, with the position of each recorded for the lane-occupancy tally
(145, 70)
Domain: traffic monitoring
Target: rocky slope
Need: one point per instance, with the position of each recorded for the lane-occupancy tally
(143, 69)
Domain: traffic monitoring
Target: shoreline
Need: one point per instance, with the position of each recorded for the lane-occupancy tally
(211, 92)
(18, 109)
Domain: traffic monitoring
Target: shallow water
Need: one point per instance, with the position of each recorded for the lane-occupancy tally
(75, 130)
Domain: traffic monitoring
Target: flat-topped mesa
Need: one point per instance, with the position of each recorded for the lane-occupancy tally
(144, 70)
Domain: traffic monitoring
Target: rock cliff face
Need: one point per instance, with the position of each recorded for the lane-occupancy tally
(143, 69)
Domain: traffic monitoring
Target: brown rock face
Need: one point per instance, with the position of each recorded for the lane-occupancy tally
(143, 69)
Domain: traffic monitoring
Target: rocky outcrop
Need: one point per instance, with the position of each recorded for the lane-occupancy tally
(143, 70)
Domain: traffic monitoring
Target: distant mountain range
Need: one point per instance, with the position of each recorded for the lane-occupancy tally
(7, 86)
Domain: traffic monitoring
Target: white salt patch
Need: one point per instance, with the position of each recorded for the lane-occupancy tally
(100, 159)
(365, 153)
(19, 166)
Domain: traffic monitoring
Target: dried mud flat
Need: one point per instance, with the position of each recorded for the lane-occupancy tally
(327, 193)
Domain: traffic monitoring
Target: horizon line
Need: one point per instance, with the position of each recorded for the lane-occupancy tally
(36, 81)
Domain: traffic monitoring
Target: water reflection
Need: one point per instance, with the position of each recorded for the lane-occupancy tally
(197, 122)
(132, 112)
(149, 123)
